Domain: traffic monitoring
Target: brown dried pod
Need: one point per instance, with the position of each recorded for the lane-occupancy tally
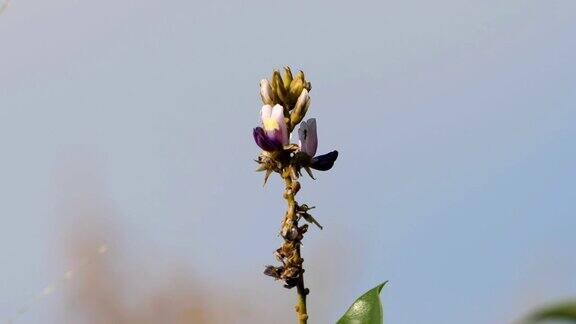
(291, 272)
(274, 272)
(291, 283)
(291, 233)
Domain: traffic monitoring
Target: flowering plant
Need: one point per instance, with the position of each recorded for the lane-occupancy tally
(286, 100)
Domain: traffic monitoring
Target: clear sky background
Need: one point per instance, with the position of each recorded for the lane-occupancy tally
(455, 122)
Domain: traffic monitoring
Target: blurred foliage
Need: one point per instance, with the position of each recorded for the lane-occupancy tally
(367, 309)
(564, 310)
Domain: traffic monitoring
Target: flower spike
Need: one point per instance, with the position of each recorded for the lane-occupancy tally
(286, 101)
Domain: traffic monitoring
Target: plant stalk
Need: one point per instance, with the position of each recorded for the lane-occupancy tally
(289, 219)
(301, 305)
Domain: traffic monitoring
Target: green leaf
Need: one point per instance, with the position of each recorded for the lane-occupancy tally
(565, 310)
(365, 310)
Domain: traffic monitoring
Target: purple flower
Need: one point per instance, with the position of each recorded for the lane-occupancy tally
(308, 137)
(324, 162)
(309, 144)
(266, 143)
(274, 133)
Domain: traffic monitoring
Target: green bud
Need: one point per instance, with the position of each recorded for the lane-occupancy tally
(296, 86)
(262, 167)
(278, 86)
(266, 93)
(287, 77)
(300, 108)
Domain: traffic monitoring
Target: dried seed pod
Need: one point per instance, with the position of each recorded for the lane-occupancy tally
(305, 207)
(295, 187)
(291, 233)
(274, 272)
(291, 283)
(287, 248)
(279, 256)
(291, 272)
(295, 260)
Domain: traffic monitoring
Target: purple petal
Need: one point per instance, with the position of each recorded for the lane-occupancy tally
(312, 145)
(266, 143)
(302, 135)
(308, 137)
(276, 135)
(324, 162)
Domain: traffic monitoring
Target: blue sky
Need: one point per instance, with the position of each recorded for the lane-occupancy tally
(454, 121)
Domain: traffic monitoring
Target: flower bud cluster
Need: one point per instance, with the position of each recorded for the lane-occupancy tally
(287, 91)
(286, 102)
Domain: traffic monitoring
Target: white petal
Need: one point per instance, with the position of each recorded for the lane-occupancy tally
(278, 115)
(266, 91)
(266, 111)
(277, 112)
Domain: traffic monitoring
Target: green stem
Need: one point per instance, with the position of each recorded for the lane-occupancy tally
(301, 305)
(290, 219)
